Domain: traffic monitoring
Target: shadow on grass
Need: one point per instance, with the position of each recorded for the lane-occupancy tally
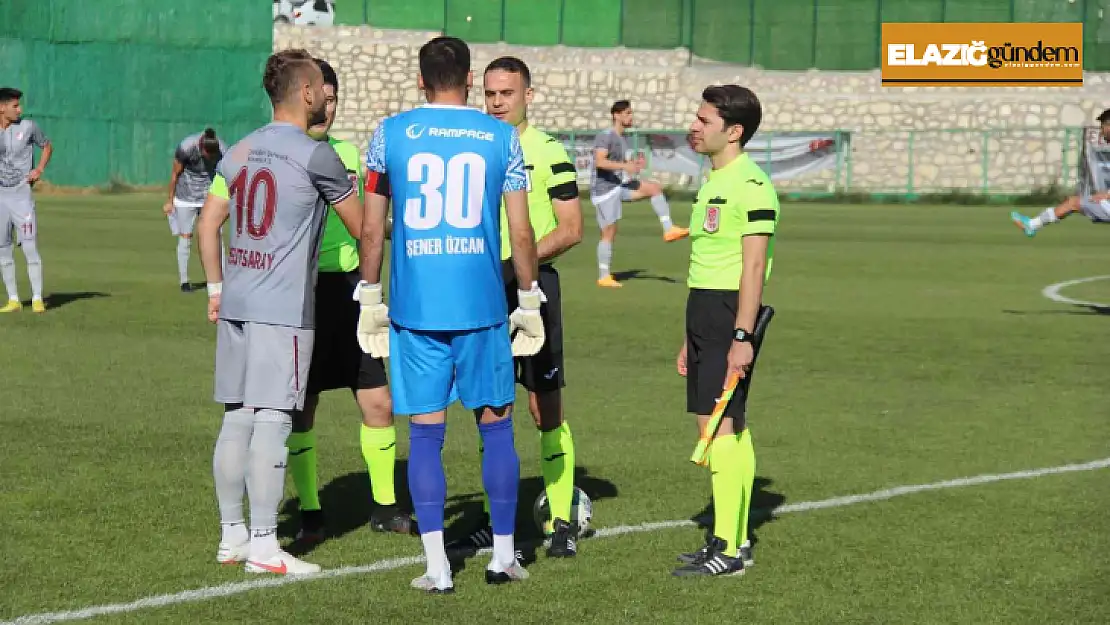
(347, 504)
(640, 274)
(1080, 309)
(57, 300)
(764, 502)
(528, 537)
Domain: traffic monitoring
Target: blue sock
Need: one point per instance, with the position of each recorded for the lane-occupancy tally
(427, 482)
(500, 474)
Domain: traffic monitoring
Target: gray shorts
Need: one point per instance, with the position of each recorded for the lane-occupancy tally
(184, 217)
(262, 366)
(609, 205)
(17, 210)
(1095, 211)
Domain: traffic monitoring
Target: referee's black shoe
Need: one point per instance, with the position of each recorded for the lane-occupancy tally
(563, 540)
(694, 556)
(480, 538)
(313, 527)
(391, 519)
(713, 562)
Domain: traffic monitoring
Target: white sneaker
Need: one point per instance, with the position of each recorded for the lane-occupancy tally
(233, 554)
(281, 563)
(442, 586)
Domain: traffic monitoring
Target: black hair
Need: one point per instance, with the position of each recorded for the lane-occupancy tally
(1103, 117)
(210, 143)
(7, 94)
(283, 72)
(512, 65)
(737, 106)
(620, 106)
(330, 77)
(444, 64)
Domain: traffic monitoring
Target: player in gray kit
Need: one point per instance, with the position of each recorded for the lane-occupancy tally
(18, 138)
(612, 183)
(1093, 198)
(194, 166)
(275, 185)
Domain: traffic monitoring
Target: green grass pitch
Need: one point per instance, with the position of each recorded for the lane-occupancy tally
(912, 345)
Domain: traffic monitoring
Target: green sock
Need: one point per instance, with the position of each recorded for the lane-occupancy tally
(726, 465)
(747, 466)
(557, 466)
(379, 450)
(302, 465)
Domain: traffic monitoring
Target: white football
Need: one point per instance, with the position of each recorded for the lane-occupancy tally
(581, 508)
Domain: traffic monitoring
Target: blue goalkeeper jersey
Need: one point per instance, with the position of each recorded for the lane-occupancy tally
(445, 169)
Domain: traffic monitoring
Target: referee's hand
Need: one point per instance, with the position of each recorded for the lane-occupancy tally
(740, 357)
(682, 360)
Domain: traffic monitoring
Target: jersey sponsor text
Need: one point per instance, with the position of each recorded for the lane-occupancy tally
(250, 259)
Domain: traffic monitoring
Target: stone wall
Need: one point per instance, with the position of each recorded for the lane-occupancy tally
(575, 87)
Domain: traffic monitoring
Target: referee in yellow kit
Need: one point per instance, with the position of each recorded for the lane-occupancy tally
(556, 217)
(732, 232)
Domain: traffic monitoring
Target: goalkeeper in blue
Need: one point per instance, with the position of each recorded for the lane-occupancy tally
(446, 167)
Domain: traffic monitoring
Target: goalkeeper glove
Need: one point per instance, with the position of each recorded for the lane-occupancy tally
(373, 320)
(525, 324)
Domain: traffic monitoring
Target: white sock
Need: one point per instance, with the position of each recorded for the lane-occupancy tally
(504, 552)
(266, 478)
(604, 257)
(662, 211)
(34, 268)
(264, 543)
(1047, 216)
(234, 533)
(7, 268)
(183, 249)
(436, 555)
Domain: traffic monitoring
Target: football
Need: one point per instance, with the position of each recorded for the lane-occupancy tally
(581, 509)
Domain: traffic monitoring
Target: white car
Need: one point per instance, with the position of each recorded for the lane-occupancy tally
(305, 12)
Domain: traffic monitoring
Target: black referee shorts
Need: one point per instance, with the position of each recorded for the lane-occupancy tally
(337, 359)
(710, 326)
(543, 372)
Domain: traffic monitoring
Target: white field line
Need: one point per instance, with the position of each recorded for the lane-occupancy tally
(226, 590)
(1052, 292)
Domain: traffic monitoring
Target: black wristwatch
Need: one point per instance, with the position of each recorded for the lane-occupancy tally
(742, 336)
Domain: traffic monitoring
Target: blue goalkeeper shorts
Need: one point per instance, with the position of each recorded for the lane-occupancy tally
(429, 370)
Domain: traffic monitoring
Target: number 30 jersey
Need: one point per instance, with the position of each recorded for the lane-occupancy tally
(445, 169)
(279, 183)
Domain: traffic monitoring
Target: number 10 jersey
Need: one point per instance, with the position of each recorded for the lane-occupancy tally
(445, 169)
(279, 183)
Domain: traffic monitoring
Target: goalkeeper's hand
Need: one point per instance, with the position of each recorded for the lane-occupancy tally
(525, 324)
(373, 320)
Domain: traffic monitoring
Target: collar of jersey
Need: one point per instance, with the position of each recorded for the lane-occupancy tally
(274, 123)
(429, 105)
(735, 163)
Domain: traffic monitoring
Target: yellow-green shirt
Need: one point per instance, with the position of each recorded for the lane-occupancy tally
(338, 249)
(737, 200)
(551, 176)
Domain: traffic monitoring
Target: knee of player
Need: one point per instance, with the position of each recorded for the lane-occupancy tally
(376, 407)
